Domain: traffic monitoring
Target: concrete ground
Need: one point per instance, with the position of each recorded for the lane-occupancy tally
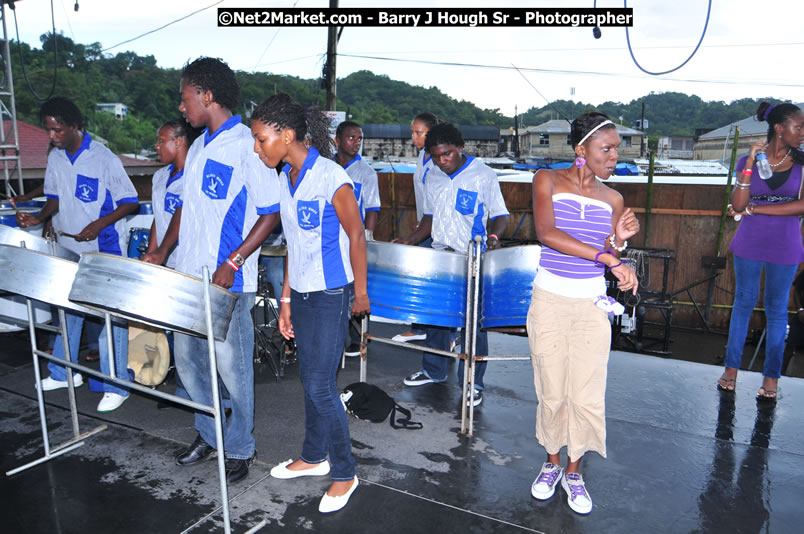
(682, 457)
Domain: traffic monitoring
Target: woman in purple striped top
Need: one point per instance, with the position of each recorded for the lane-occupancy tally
(583, 226)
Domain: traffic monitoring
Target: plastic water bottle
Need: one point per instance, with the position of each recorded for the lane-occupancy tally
(763, 166)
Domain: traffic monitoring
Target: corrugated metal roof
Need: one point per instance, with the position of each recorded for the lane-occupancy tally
(748, 126)
(562, 126)
(683, 166)
(402, 131)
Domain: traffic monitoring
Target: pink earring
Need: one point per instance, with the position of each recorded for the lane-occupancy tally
(580, 162)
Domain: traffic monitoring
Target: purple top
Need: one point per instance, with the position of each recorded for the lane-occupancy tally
(587, 220)
(770, 238)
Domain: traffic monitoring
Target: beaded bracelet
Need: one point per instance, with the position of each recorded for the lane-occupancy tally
(614, 245)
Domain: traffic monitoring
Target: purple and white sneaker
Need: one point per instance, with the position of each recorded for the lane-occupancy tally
(545, 485)
(577, 496)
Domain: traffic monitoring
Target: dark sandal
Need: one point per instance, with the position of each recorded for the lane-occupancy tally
(728, 382)
(764, 396)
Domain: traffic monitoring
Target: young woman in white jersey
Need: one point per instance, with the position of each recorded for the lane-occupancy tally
(325, 281)
(583, 227)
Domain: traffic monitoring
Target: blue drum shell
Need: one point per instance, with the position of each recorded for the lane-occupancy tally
(417, 284)
(137, 238)
(507, 285)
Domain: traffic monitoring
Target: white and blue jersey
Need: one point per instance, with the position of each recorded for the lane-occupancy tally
(424, 166)
(318, 247)
(166, 197)
(226, 188)
(89, 184)
(461, 203)
(367, 190)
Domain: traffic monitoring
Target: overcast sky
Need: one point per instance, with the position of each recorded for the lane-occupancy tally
(751, 49)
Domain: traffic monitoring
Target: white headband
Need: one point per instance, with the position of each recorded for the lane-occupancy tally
(593, 130)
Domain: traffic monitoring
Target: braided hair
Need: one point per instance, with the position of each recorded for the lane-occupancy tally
(281, 111)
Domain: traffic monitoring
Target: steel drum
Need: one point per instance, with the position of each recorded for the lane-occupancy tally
(507, 284)
(142, 218)
(150, 294)
(39, 276)
(13, 237)
(138, 242)
(416, 284)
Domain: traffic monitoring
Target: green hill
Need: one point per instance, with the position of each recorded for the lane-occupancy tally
(88, 76)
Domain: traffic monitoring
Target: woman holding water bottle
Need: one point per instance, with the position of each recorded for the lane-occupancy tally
(769, 238)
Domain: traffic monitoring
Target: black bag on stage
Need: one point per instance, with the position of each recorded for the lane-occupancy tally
(366, 401)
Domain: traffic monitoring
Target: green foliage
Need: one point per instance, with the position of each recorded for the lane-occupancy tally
(667, 113)
(151, 93)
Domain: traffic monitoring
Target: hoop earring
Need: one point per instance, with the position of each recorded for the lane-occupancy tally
(580, 162)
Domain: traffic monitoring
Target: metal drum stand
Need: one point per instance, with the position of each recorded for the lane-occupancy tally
(100, 282)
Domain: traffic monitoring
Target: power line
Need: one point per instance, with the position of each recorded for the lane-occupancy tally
(570, 72)
(271, 41)
(163, 26)
(55, 55)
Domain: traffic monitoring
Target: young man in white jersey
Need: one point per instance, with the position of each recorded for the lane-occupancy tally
(348, 138)
(86, 184)
(462, 195)
(229, 205)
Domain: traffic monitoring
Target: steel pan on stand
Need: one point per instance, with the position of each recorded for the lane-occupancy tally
(507, 285)
(150, 294)
(15, 308)
(416, 284)
(130, 288)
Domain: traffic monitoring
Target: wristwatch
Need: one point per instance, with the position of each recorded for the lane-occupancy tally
(238, 260)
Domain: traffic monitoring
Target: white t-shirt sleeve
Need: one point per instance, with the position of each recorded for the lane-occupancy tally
(337, 178)
(52, 176)
(496, 201)
(262, 184)
(118, 182)
(371, 191)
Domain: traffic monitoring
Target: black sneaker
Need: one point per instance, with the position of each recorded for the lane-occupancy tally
(477, 398)
(237, 469)
(352, 350)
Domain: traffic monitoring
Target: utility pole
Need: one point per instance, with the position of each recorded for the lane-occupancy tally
(642, 126)
(516, 133)
(330, 79)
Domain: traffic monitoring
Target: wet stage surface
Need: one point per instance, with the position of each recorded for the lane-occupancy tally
(682, 457)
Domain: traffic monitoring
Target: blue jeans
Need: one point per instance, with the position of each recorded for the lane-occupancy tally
(319, 321)
(274, 274)
(75, 324)
(778, 279)
(435, 366)
(236, 373)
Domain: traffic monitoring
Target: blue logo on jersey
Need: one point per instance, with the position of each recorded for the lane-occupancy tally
(358, 188)
(308, 214)
(216, 179)
(171, 202)
(86, 188)
(465, 202)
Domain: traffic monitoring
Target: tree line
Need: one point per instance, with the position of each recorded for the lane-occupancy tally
(88, 76)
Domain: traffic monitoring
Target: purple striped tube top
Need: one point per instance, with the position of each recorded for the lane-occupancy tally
(587, 220)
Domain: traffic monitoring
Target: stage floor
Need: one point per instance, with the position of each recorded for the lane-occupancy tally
(681, 457)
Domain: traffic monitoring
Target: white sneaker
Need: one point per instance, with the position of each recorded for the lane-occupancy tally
(51, 384)
(408, 336)
(111, 402)
(545, 484)
(577, 496)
